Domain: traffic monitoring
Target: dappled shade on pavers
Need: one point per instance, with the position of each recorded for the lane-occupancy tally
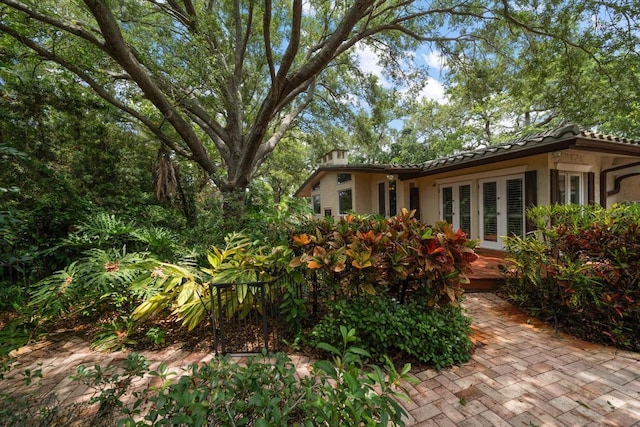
(521, 373)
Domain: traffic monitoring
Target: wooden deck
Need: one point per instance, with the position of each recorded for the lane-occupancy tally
(487, 273)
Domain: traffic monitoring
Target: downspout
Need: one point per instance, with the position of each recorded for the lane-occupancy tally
(603, 182)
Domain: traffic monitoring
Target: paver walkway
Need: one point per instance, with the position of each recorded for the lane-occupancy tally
(521, 374)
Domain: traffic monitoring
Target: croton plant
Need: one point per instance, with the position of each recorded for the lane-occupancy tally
(400, 255)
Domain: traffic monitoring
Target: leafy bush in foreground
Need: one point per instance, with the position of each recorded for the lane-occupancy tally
(581, 269)
(361, 255)
(437, 336)
(266, 391)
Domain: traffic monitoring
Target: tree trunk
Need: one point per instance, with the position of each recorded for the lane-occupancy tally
(234, 200)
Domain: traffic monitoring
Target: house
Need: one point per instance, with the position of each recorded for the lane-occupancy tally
(485, 191)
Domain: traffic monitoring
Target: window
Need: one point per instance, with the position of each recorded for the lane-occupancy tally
(447, 204)
(344, 177)
(456, 206)
(315, 187)
(515, 202)
(501, 209)
(315, 201)
(464, 197)
(345, 202)
(570, 188)
(382, 200)
(393, 204)
(490, 211)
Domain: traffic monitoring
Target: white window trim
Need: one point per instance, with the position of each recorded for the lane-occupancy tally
(581, 190)
(499, 244)
(456, 186)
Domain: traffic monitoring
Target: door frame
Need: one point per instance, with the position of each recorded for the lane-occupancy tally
(501, 208)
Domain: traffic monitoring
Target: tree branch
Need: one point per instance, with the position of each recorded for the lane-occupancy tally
(118, 49)
(266, 35)
(76, 30)
(99, 90)
(265, 149)
(292, 47)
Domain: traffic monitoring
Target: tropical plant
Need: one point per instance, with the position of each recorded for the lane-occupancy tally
(186, 291)
(386, 328)
(265, 391)
(582, 270)
(98, 282)
(359, 255)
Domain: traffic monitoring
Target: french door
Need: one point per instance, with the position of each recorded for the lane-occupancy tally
(501, 210)
(456, 206)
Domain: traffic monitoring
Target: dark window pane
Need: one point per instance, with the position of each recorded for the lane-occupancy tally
(344, 177)
(344, 201)
(447, 204)
(316, 204)
(392, 199)
(381, 199)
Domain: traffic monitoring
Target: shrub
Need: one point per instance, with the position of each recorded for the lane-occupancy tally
(359, 255)
(264, 392)
(582, 270)
(437, 336)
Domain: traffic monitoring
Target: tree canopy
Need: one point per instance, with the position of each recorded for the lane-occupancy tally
(220, 83)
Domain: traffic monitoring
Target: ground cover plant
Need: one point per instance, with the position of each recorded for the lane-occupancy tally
(581, 271)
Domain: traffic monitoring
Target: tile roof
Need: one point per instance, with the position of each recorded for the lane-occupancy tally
(525, 144)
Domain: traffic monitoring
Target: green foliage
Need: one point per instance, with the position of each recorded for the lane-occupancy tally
(265, 392)
(111, 384)
(185, 289)
(114, 335)
(156, 335)
(107, 231)
(582, 269)
(359, 255)
(96, 283)
(437, 336)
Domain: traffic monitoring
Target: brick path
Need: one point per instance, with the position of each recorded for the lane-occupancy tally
(521, 374)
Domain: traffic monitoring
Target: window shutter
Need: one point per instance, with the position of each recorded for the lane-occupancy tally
(515, 208)
(465, 208)
(490, 211)
(591, 188)
(530, 195)
(554, 189)
(447, 204)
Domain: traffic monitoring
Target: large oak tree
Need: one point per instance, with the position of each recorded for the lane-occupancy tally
(221, 82)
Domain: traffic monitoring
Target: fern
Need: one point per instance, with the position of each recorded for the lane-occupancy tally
(161, 242)
(101, 277)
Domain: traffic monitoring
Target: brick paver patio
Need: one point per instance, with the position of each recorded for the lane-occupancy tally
(521, 374)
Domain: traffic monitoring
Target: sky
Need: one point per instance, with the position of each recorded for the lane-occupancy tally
(368, 62)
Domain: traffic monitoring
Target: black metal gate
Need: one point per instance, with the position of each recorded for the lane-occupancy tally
(245, 317)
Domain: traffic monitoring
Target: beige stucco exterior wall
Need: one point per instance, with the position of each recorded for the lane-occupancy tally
(363, 191)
